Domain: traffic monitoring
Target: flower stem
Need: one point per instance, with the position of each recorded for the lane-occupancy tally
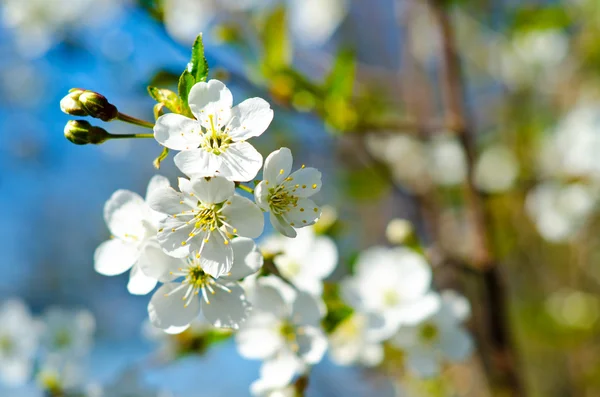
(125, 136)
(245, 188)
(133, 120)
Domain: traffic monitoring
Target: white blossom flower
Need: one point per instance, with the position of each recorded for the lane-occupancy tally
(447, 161)
(133, 226)
(436, 339)
(313, 22)
(283, 330)
(67, 333)
(393, 282)
(306, 260)
(262, 388)
(357, 340)
(221, 300)
(285, 195)
(496, 169)
(560, 211)
(203, 217)
(19, 334)
(214, 144)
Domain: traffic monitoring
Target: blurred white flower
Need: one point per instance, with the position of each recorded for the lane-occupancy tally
(448, 164)
(262, 388)
(133, 226)
(67, 333)
(559, 211)
(436, 339)
(128, 384)
(285, 195)
(313, 22)
(573, 147)
(496, 169)
(203, 217)
(392, 282)
(357, 340)
(306, 260)
(221, 300)
(398, 230)
(19, 335)
(405, 155)
(283, 330)
(214, 144)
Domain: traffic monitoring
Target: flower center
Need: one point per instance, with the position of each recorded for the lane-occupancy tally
(391, 298)
(216, 141)
(62, 338)
(196, 281)
(281, 200)
(6, 345)
(429, 333)
(289, 332)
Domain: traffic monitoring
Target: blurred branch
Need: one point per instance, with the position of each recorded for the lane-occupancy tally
(504, 352)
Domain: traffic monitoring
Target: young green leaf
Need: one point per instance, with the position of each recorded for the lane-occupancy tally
(198, 66)
(186, 82)
(276, 41)
(340, 82)
(167, 98)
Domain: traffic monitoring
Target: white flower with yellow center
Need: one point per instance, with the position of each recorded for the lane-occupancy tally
(283, 330)
(133, 226)
(221, 300)
(392, 282)
(204, 216)
(437, 338)
(19, 334)
(306, 260)
(215, 142)
(67, 333)
(285, 195)
(357, 340)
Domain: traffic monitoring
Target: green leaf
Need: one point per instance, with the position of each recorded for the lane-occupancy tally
(198, 66)
(167, 98)
(340, 82)
(533, 18)
(186, 82)
(276, 41)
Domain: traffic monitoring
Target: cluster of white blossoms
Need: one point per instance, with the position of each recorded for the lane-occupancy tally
(197, 240)
(392, 301)
(51, 349)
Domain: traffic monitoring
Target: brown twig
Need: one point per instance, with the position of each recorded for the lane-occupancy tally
(496, 321)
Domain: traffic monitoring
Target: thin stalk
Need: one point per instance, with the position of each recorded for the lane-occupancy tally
(245, 188)
(130, 136)
(133, 120)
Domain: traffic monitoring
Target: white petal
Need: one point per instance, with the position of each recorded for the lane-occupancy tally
(240, 162)
(126, 215)
(115, 256)
(250, 118)
(177, 132)
(258, 343)
(216, 257)
(279, 371)
(156, 182)
(312, 344)
(212, 98)
(170, 311)
(281, 225)
(247, 259)
(214, 190)
(456, 344)
(413, 312)
(321, 259)
(423, 362)
(172, 242)
(278, 166)
(227, 309)
(405, 337)
(156, 264)
(244, 216)
(307, 310)
(372, 355)
(308, 179)
(414, 270)
(167, 200)
(306, 213)
(261, 195)
(198, 163)
(458, 305)
(269, 299)
(139, 283)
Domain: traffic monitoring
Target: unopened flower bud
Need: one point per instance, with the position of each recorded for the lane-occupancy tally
(70, 104)
(98, 106)
(398, 231)
(80, 132)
